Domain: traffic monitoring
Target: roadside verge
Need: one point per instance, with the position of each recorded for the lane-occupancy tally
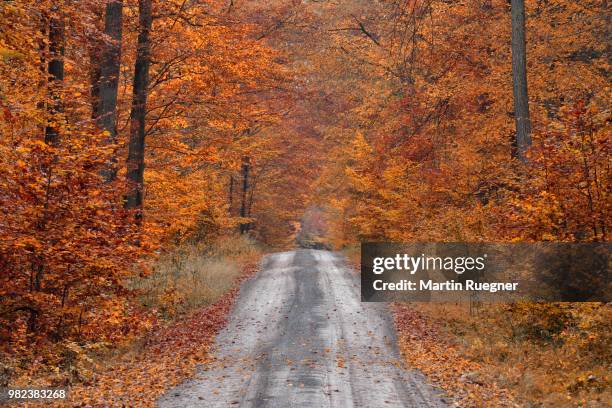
(170, 355)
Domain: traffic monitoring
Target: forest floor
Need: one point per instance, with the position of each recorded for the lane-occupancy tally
(166, 357)
(510, 355)
(429, 348)
(521, 355)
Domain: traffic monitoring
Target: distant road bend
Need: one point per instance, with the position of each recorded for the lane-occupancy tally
(299, 336)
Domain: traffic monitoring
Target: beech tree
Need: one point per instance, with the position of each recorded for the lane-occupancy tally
(55, 70)
(136, 147)
(108, 81)
(244, 227)
(68, 238)
(519, 79)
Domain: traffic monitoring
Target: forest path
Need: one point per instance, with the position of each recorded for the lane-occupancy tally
(299, 336)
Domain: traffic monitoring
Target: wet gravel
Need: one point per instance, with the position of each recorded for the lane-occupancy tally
(299, 336)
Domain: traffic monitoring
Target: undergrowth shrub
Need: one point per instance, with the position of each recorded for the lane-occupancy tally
(195, 274)
(540, 322)
(547, 354)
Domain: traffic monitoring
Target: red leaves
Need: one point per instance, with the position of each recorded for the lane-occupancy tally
(168, 356)
(7, 114)
(66, 245)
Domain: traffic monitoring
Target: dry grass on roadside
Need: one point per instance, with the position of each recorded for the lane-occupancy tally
(529, 355)
(545, 355)
(195, 275)
(169, 356)
(195, 287)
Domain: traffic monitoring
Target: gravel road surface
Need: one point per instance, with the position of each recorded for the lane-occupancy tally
(299, 336)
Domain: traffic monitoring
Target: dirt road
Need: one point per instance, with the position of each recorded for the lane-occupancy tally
(299, 336)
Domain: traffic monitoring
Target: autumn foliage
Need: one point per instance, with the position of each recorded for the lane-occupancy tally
(437, 160)
(133, 129)
(426, 151)
(70, 245)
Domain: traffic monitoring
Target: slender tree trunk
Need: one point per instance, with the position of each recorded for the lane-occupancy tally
(94, 77)
(136, 148)
(231, 194)
(95, 47)
(108, 86)
(56, 73)
(519, 77)
(43, 63)
(244, 227)
(249, 211)
(55, 83)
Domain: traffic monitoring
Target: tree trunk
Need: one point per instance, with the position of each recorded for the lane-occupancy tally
(250, 205)
(136, 148)
(519, 77)
(55, 83)
(231, 195)
(94, 50)
(244, 227)
(56, 73)
(94, 78)
(108, 86)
